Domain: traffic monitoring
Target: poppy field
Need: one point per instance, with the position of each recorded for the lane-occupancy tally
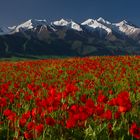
(91, 98)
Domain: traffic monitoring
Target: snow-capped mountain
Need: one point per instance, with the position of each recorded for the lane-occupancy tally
(67, 37)
(126, 28)
(69, 24)
(4, 30)
(30, 24)
(103, 21)
(94, 25)
(61, 22)
(99, 25)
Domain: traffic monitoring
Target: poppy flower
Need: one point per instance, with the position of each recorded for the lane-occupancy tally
(70, 123)
(50, 121)
(3, 102)
(107, 115)
(7, 112)
(135, 131)
(39, 128)
(117, 115)
(102, 98)
(22, 122)
(28, 135)
(30, 126)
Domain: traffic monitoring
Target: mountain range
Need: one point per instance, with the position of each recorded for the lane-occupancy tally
(69, 38)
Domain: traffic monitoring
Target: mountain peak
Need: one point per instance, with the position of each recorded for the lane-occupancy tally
(100, 19)
(88, 22)
(99, 24)
(93, 25)
(75, 26)
(103, 21)
(123, 22)
(61, 22)
(70, 24)
(34, 22)
(30, 24)
(67, 37)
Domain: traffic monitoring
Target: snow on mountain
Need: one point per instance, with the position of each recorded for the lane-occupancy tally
(88, 22)
(12, 28)
(30, 24)
(61, 22)
(70, 24)
(75, 26)
(95, 25)
(4, 30)
(101, 25)
(103, 21)
(125, 27)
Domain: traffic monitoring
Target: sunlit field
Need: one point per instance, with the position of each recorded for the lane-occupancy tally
(92, 98)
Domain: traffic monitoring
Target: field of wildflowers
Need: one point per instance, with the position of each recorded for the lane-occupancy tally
(92, 98)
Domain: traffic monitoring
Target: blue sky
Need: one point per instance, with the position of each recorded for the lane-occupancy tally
(13, 12)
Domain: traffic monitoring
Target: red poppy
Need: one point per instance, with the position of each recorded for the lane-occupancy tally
(70, 123)
(102, 98)
(30, 125)
(3, 102)
(34, 112)
(110, 92)
(89, 103)
(28, 135)
(117, 115)
(7, 112)
(50, 121)
(75, 116)
(112, 102)
(39, 128)
(99, 110)
(12, 116)
(74, 108)
(83, 98)
(107, 115)
(135, 131)
(83, 116)
(22, 122)
(26, 115)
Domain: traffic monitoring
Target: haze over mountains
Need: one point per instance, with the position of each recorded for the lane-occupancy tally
(69, 38)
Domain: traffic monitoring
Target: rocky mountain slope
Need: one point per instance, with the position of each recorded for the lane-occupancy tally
(69, 38)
